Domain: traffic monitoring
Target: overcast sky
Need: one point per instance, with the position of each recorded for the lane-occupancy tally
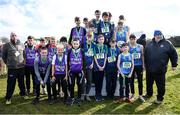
(56, 17)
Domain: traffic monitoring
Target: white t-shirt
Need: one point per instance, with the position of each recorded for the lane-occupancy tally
(54, 59)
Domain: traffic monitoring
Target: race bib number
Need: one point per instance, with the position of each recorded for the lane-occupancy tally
(126, 65)
(111, 59)
(105, 30)
(100, 56)
(136, 55)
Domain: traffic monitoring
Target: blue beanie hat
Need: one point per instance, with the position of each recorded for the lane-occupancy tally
(157, 32)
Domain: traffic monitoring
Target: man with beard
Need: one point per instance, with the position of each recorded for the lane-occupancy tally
(13, 57)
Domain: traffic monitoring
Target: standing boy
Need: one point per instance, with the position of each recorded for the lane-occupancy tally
(138, 53)
(77, 32)
(59, 71)
(89, 62)
(30, 55)
(76, 69)
(105, 27)
(111, 69)
(100, 57)
(125, 66)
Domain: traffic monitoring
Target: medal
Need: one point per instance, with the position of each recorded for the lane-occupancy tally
(60, 59)
(101, 54)
(90, 51)
(78, 33)
(112, 58)
(43, 59)
(17, 53)
(76, 53)
(105, 29)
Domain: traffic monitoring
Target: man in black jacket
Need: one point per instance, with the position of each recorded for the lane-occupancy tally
(13, 57)
(157, 54)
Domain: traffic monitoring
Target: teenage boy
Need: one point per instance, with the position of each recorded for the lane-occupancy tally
(100, 57)
(105, 27)
(42, 66)
(77, 32)
(76, 69)
(30, 55)
(96, 24)
(125, 27)
(59, 71)
(86, 24)
(89, 62)
(52, 48)
(137, 51)
(111, 69)
(125, 66)
(120, 35)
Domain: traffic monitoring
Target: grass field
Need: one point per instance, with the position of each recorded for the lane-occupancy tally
(171, 104)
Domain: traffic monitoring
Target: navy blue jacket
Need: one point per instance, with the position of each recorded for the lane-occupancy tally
(157, 55)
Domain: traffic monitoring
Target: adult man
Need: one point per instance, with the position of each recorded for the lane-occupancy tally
(157, 54)
(13, 57)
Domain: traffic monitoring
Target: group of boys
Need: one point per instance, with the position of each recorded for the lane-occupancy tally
(97, 50)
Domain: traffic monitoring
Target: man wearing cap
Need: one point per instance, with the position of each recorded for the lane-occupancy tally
(157, 54)
(13, 57)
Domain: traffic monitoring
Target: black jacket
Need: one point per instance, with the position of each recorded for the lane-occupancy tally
(10, 59)
(157, 55)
